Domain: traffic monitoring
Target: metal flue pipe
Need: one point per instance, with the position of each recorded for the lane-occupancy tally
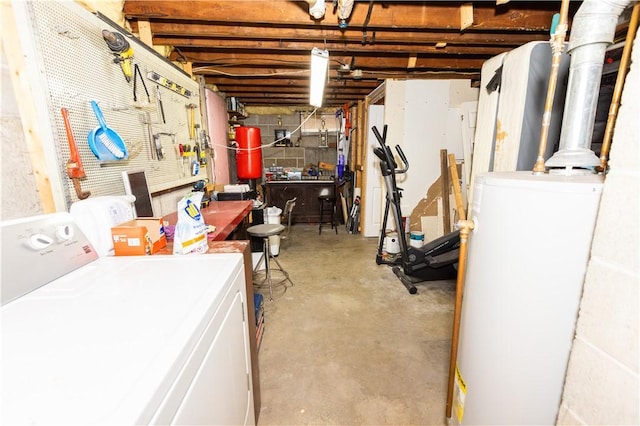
(592, 30)
(617, 91)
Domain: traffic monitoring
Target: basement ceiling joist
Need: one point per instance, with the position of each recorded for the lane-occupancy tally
(259, 51)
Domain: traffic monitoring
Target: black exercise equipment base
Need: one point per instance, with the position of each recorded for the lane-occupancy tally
(434, 261)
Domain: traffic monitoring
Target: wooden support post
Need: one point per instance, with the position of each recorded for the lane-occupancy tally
(457, 191)
(27, 108)
(144, 32)
(446, 184)
(466, 15)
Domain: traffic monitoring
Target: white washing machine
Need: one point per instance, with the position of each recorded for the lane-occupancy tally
(119, 340)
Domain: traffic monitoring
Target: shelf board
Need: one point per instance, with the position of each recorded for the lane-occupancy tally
(235, 116)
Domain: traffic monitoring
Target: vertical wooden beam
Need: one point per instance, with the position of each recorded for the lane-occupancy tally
(363, 161)
(146, 36)
(371, 99)
(357, 160)
(27, 108)
(188, 68)
(466, 15)
(144, 32)
(446, 183)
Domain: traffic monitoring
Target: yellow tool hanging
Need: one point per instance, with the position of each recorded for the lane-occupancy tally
(122, 50)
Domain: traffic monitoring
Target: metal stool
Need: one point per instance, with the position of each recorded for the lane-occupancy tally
(265, 231)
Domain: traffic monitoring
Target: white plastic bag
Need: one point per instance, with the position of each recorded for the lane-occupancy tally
(191, 231)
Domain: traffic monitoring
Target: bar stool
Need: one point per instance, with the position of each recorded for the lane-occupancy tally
(331, 202)
(327, 198)
(265, 231)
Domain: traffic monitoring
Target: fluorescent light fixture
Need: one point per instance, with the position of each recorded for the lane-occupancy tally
(319, 68)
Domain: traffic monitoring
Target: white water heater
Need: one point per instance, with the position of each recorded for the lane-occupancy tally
(527, 261)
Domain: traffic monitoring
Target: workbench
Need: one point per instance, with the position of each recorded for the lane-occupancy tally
(226, 216)
(307, 209)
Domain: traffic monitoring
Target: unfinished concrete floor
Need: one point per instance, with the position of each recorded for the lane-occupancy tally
(348, 344)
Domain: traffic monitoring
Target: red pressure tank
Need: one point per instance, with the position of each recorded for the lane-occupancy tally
(249, 154)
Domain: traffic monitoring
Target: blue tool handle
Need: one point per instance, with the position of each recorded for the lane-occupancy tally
(554, 23)
(98, 112)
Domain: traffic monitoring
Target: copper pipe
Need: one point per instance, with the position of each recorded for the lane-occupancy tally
(617, 91)
(557, 45)
(465, 228)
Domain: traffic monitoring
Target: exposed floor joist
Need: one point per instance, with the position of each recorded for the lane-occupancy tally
(259, 51)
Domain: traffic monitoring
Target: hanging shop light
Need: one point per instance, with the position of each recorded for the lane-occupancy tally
(319, 68)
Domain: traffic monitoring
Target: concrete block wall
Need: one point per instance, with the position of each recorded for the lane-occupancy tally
(268, 124)
(305, 151)
(602, 382)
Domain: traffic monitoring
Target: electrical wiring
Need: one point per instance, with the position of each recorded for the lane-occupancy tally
(235, 148)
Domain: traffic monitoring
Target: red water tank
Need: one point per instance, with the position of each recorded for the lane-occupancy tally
(249, 154)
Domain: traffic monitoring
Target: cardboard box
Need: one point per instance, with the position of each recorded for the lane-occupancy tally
(326, 166)
(138, 237)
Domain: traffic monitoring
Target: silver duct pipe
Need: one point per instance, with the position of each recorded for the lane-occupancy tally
(592, 31)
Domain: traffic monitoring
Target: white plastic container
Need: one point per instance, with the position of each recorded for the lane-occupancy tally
(392, 245)
(416, 239)
(273, 217)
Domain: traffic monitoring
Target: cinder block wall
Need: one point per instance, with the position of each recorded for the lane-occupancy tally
(601, 385)
(305, 151)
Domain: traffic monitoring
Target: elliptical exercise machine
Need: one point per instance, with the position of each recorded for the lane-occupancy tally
(437, 259)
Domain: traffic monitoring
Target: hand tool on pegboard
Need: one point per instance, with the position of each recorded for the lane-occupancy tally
(202, 155)
(75, 170)
(136, 103)
(192, 121)
(158, 146)
(147, 122)
(122, 51)
(159, 97)
(105, 142)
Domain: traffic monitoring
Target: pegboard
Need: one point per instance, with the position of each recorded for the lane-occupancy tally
(77, 67)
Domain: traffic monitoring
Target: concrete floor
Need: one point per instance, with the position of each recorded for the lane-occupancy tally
(348, 344)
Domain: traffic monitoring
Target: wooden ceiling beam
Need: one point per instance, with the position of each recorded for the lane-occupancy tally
(341, 48)
(434, 15)
(278, 82)
(222, 61)
(351, 87)
(259, 50)
(165, 29)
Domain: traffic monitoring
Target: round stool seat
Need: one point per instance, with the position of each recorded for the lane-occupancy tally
(265, 230)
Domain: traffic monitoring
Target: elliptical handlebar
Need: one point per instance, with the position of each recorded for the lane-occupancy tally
(404, 160)
(384, 153)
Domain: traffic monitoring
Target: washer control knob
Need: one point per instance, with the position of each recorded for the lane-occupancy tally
(64, 232)
(40, 241)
